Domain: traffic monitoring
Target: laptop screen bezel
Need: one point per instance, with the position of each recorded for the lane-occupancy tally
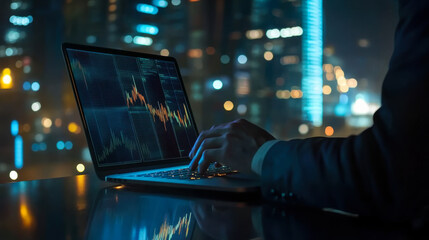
(104, 171)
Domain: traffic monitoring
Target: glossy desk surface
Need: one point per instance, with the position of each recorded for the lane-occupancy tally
(83, 207)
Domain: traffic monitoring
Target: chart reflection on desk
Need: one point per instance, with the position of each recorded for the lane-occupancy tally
(135, 108)
(151, 217)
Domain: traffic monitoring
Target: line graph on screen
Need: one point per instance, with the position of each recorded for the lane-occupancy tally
(115, 143)
(77, 65)
(159, 111)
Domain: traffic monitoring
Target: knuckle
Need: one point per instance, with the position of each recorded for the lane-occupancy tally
(203, 135)
(205, 157)
(206, 154)
(234, 125)
(229, 136)
(209, 157)
(235, 128)
(241, 121)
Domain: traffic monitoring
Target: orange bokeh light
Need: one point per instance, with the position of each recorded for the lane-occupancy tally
(329, 131)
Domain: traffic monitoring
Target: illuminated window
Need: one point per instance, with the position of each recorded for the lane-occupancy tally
(312, 54)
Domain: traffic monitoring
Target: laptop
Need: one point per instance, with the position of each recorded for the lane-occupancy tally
(138, 121)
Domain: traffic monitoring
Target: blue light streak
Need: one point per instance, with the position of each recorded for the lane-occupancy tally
(312, 54)
(14, 128)
(21, 20)
(146, 8)
(19, 152)
(148, 29)
(160, 3)
(145, 41)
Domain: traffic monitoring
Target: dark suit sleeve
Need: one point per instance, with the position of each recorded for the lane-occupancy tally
(384, 170)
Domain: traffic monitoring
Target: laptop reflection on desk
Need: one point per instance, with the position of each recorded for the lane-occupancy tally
(129, 215)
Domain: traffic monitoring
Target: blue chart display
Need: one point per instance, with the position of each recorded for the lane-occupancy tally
(135, 108)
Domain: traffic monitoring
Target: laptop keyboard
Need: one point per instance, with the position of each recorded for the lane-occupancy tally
(187, 174)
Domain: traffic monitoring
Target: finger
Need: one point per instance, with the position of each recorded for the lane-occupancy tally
(209, 156)
(192, 152)
(237, 126)
(205, 134)
(208, 143)
(222, 125)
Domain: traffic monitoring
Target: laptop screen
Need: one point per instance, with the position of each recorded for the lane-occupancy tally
(135, 108)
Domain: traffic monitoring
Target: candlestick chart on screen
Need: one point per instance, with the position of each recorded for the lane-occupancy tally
(159, 112)
(135, 108)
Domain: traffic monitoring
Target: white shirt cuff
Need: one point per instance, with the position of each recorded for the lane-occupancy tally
(258, 158)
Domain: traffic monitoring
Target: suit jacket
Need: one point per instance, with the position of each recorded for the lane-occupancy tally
(384, 170)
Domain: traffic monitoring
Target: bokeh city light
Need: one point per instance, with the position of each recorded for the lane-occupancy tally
(270, 62)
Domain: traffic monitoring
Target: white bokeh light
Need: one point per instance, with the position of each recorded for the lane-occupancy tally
(217, 84)
(36, 106)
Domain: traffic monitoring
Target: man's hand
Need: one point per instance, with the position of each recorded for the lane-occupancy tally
(232, 144)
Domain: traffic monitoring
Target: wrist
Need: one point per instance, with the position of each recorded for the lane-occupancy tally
(259, 156)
